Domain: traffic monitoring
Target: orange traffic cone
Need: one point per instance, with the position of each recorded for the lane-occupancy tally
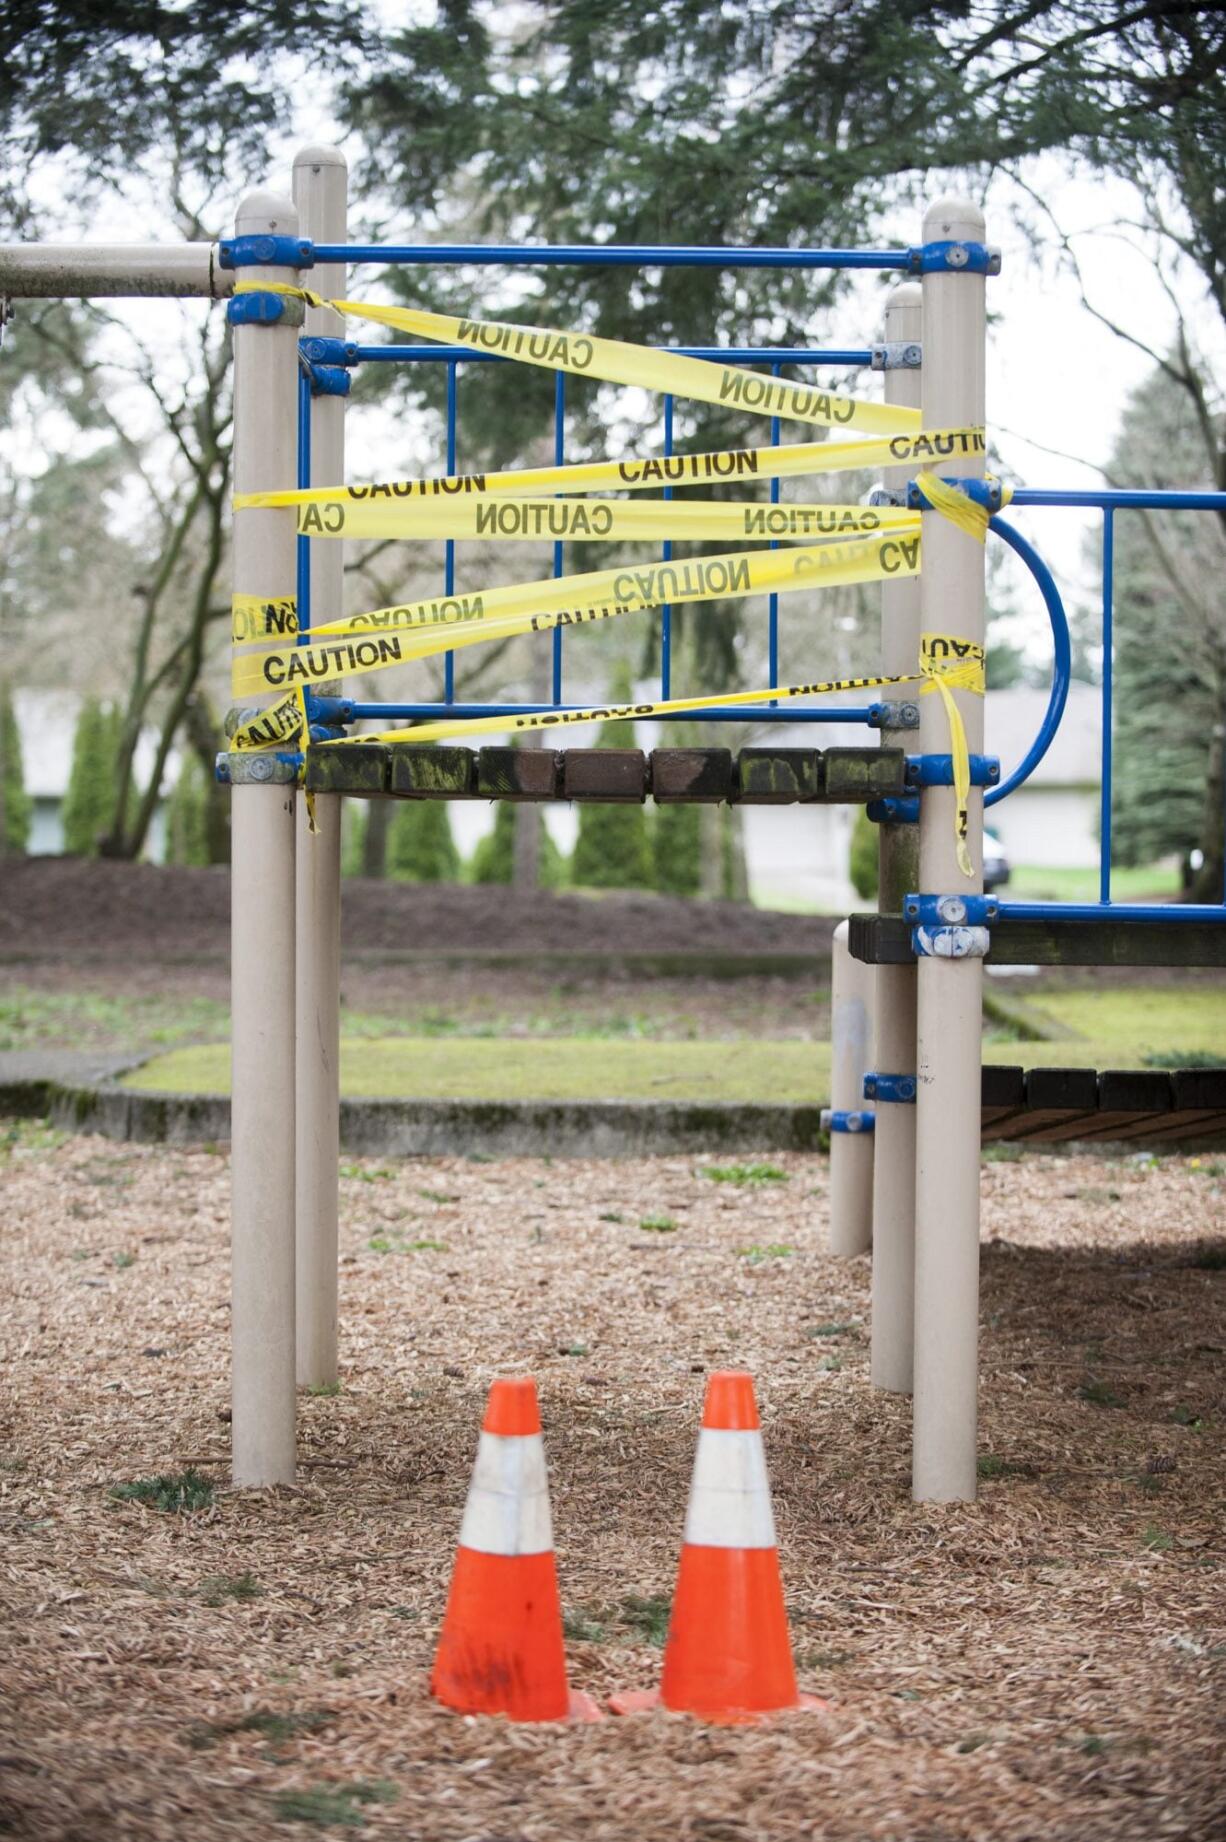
(727, 1658)
(500, 1650)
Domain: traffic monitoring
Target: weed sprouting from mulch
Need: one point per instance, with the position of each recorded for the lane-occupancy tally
(176, 1492)
(337, 1807)
(277, 1728)
(658, 1224)
(773, 1250)
(646, 1616)
(218, 1588)
(1100, 1394)
(742, 1174)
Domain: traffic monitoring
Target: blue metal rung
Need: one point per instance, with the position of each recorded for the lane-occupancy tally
(938, 770)
(266, 253)
(723, 354)
(629, 255)
(897, 1087)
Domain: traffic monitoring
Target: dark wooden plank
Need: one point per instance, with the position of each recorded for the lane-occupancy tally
(696, 776)
(430, 772)
(614, 775)
(853, 776)
(1055, 1097)
(357, 768)
(779, 776)
(1196, 1127)
(1002, 1092)
(519, 773)
(1131, 1102)
(1200, 1088)
(885, 940)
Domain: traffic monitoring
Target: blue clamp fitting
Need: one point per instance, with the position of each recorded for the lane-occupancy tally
(946, 255)
(886, 495)
(840, 1121)
(981, 492)
(938, 770)
(318, 351)
(890, 1087)
(326, 732)
(950, 942)
(897, 355)
(893, 811)
(267, 253)
(329, 709)
(891, 713)
(255, 309)
(950, 910)
(328, 380)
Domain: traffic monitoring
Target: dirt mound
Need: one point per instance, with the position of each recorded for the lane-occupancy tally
(51, 906)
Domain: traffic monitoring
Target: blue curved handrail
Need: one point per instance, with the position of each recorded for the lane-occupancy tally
(1063, 649)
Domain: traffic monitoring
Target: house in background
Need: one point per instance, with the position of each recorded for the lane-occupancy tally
(1052, 820)
(47, 724)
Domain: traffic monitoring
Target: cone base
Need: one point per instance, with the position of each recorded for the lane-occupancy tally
(639, 1701)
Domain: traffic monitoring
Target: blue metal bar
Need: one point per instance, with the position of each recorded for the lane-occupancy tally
(1123, 500)
(725, 354)
(1104, 828)
(666, 556)
(449, 546)
(1063, 664)
(614, 255)
(559, 460)
(744, 713)
(302, 555)
(1151, 915)
(772, 601)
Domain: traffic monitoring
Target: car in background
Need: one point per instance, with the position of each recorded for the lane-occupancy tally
(996, 869)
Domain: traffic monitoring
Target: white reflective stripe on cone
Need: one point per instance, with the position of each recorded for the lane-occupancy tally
(508, 1500)
(730, 1498)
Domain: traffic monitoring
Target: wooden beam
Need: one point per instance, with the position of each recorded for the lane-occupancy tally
(696, 776)
(430, 771)
(885, 940)
(519, 773)
(853, 776)
(779, 776)
(617, 776)
(357, 767)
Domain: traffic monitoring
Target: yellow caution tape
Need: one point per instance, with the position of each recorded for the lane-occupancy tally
(958, 506)
(616, 362)
(259, 617)
(280, 725)
(598, 520)
(949, 664)
(392, 636)
(637, 475)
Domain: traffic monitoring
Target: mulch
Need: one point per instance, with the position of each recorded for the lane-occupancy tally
(1046, 1663)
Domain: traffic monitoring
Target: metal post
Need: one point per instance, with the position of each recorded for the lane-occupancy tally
(321, 188)
(893, 1307)
(85, 271)
(262, 917)
(950, 990)
(851, 1143)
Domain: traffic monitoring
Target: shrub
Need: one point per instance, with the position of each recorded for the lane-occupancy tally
(494, 858)
(187, 832)
(16, 801)
(420, 847)
(862, 863)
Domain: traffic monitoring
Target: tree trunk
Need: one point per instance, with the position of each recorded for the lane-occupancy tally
(203, 733)
(374, 838)
(1208, 881)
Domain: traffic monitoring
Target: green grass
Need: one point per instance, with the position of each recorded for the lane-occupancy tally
(217, 1588)
(742, 1174)
(333, 1806)
(1036, 883)
(31, 1019)
(1117, 1028)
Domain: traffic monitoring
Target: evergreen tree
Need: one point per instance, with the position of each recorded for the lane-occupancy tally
(353, 836)
(1170, 647)
(187, 831)
(676, 834)
(862, 867)
(89, 801)
(15, 803)
(493, 860)
(420, 847)
(613, 846)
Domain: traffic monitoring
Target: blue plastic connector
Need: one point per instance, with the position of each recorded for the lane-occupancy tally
(897, 355)
(840, 1121)
(950, 910)
(266, 253)
(255, 309)
(893, 810)
(329, 380)
(982, 492)
(896, 1087)
(938, 770)
(330, 709)
(956, 258)
(329, 351)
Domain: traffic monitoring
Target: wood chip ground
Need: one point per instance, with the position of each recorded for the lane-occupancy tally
(1048, 1663)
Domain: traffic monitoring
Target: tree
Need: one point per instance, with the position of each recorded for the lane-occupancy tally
(420, 847)
(494, 858)
(187, 838)
(15, 803)
(613, 848)
(1170, 649)
(89, 802)
(862, 864)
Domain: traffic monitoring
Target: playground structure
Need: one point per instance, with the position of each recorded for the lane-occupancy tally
(934, 927)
